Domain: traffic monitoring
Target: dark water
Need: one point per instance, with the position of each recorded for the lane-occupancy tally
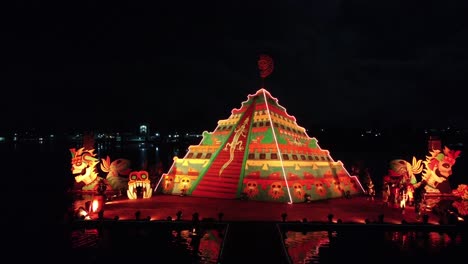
(371, 246)
(120, 242)
(37, 178)
(147, 156)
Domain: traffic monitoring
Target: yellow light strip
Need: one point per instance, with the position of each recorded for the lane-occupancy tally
(277, 147)
(160, 179)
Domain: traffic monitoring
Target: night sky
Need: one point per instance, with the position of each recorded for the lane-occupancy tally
(184, 65)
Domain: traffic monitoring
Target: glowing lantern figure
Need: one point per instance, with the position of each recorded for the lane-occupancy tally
(139, 181)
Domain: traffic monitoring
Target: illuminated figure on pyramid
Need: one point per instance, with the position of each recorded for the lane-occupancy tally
(259, 153)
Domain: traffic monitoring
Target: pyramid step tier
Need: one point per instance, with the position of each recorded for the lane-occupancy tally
(213, 194)
(211, 179)
(219, 188)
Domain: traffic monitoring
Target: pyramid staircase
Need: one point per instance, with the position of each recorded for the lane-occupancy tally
(249, 152)
(224, 186)
(221, 180)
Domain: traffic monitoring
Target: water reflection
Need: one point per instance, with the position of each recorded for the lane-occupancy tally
(372, 246)
(143, 156)
(153, 242)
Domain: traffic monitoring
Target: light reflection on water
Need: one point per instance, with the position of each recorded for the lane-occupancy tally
(372, 246)
(145, 156)
(142, 157)
(145, 243)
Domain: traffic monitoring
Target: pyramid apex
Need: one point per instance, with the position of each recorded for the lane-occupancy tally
(262, 90)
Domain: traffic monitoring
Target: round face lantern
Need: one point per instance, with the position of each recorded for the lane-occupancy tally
(184, 184)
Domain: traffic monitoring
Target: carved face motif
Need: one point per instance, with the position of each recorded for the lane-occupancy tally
(184, 184)
(444, 168)
(83, 164)
(442, 162)
(319, 188)
(139, 181)
(439, 167)
(337, 185)
(168, 182)
(138, 176)
(298, 191)
(251, 189)
(276, 190)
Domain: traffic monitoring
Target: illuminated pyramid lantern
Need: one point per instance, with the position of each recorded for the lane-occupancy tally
(259, 153)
